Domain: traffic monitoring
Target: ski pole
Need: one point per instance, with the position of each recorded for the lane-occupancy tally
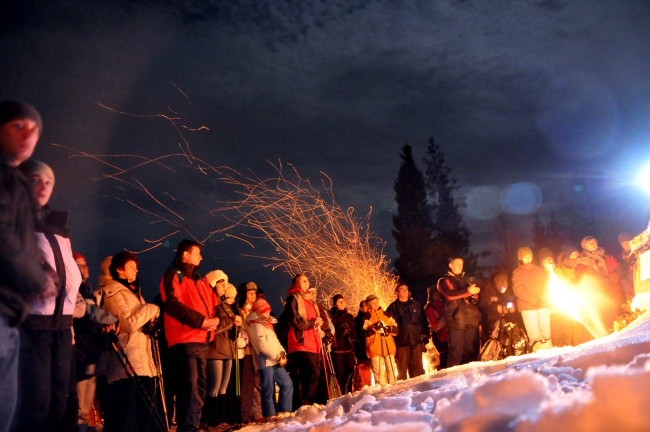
(130, 371)
(155, 347)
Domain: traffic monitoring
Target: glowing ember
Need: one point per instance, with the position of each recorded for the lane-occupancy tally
(311, 234)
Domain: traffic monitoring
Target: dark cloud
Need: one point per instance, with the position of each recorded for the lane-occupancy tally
(513, 91)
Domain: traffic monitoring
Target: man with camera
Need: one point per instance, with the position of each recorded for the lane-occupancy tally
(462, 315)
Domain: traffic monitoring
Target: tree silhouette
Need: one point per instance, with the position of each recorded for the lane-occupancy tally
(451, 235)
(412, 227)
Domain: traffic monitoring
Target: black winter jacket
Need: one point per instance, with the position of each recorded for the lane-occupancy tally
(344, 330)
(461, 310)
(411, 322)
(22, 275)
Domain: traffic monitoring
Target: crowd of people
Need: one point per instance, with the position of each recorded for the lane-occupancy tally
(207, 353)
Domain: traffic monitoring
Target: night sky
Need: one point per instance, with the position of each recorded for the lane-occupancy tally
(554, 94)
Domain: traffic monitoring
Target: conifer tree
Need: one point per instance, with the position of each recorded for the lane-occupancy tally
(451, 235)
(412, 227)
(540, 233)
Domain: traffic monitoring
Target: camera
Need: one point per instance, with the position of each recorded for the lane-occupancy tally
(150, 328)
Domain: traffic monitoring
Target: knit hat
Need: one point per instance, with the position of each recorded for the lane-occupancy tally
(523, 251)
(33, 167)
(12, 110)
(336, 298)
(231, 291)
(545, 253)
(583, 243)
(371, 297)
(261, 306)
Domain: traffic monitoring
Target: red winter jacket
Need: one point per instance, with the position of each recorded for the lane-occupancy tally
(189, 300)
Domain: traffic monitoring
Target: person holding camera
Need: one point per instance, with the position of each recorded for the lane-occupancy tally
(380, 344)
(498, 302)
(128, 408)
(462, 315)
(270, 358)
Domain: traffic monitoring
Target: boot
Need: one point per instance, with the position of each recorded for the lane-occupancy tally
(210, 411)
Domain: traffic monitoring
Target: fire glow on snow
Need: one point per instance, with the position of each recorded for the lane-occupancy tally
(598, 386)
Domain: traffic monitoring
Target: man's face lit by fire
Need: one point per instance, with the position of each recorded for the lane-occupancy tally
(456, 266)
(193, 256)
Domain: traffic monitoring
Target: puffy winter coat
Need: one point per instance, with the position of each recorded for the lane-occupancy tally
(189, 300)
(133, 313)
(530, 284)
(266, 345)
(380, 330)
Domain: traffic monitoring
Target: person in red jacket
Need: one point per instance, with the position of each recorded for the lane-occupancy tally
(190, 323)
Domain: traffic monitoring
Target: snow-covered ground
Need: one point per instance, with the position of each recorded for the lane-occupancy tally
(603, 385)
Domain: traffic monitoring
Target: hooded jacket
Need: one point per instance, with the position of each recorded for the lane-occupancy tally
(380, 330)
(265, 343)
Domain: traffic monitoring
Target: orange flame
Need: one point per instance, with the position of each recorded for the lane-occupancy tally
(582, 302)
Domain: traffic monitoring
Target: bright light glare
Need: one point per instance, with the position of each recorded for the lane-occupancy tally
(582, 302)
(643, 179)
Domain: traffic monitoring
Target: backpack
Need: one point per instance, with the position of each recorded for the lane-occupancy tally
(514, 340)
(492, 348)
(506, 339)
(282, 329)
